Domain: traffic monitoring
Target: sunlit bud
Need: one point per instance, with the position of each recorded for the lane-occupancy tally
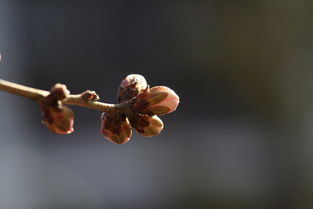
(59, 91)
(89, 96)
(130, 87)
(158, 100)
(58, 120)
(115, 128)
(147, 125)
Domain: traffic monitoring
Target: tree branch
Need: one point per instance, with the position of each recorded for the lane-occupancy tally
(138, 107)
(76, 99)
(24, 91)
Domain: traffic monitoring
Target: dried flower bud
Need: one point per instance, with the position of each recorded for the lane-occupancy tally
(158, 100)
(130, 87)
(147, 125)
(59, 91)
(115, 128)
(57, 117)
(58, 120)
(89, 96)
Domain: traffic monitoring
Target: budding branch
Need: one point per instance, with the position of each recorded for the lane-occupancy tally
(72, 99)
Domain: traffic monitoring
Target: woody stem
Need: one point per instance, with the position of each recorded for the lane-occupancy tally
(76, 99)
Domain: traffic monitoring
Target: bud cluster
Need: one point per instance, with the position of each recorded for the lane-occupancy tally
(139, 108)
(145, 104)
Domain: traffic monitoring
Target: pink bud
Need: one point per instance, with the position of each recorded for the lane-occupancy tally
(130, 87)
(147, 125)
(115, 128)
(58, 120)
(158, 100)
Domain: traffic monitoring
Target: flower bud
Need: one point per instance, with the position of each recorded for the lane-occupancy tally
(59, 91)
(158, 100)
(147, 125)
(89, 96)
(130, 87)
(58, 120)
(115, 128)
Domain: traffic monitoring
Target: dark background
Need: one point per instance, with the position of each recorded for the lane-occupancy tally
(241, 137)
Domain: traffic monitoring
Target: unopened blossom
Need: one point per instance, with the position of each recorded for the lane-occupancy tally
(130, 87)
(58, 120)
(56, 116)
(115, 127)
(158, 100)
(147, 125)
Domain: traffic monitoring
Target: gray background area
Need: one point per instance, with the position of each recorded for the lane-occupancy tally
(241, 137)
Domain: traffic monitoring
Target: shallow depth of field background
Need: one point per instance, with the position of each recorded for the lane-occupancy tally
(241, 137)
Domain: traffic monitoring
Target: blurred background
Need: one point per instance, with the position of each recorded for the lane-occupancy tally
(241, 137)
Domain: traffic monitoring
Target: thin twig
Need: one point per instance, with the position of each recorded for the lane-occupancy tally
(23, 91)
(72, 99)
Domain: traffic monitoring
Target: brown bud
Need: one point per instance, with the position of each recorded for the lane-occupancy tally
(158, 100)
(58, 120)
(115, 128)
(147, 125)
(130, 87)
(59, 91)
(57, 117)
(89, 96)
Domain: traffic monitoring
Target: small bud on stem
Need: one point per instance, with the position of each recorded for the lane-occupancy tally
(56, 116)
(147, 125)
(130, 87)
(116, 128)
